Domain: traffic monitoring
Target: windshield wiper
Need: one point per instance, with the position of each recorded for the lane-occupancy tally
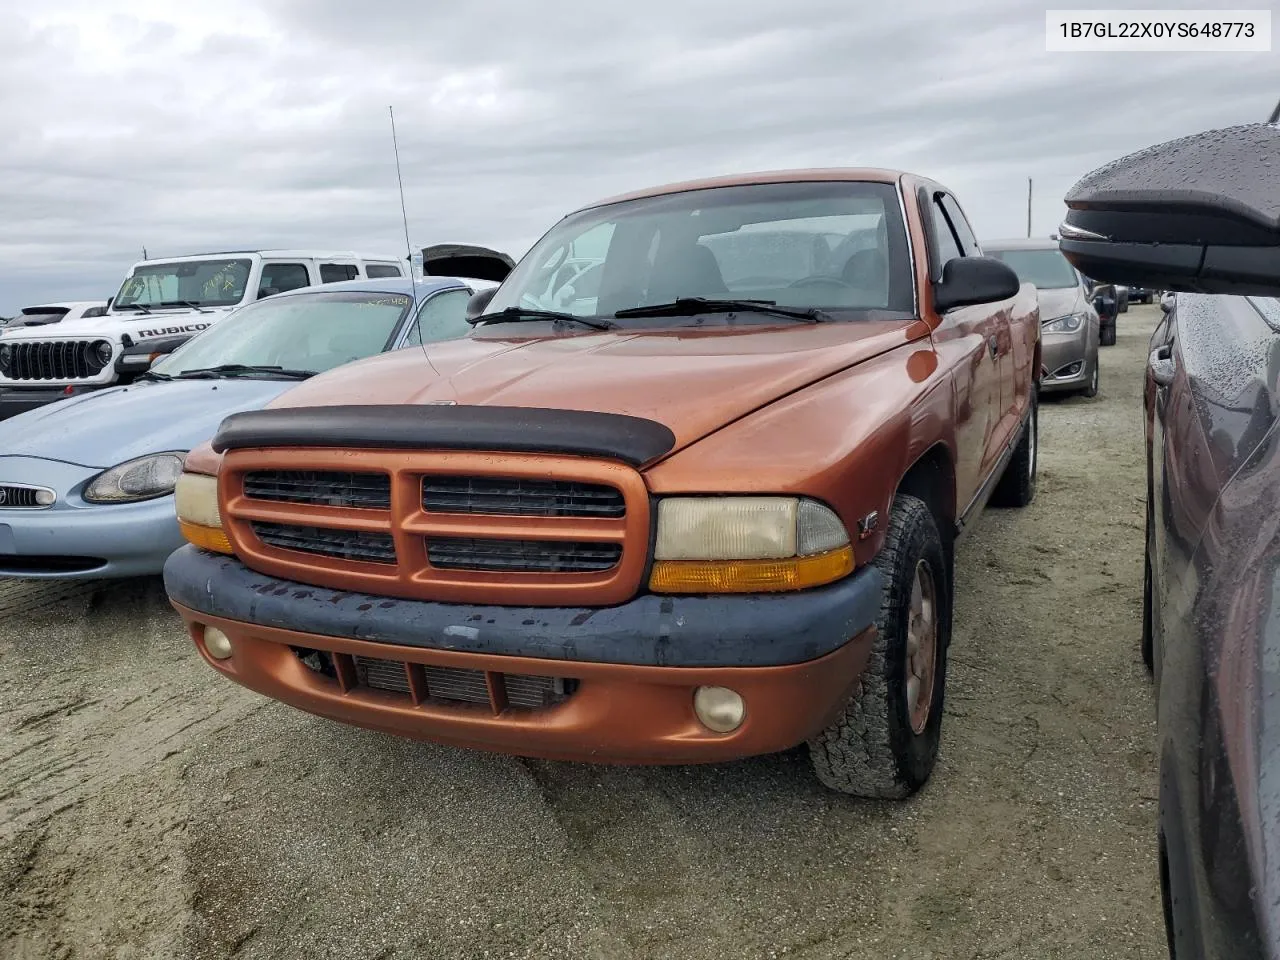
(242, 369)
(524, 314)
(133, 306)
(690, 306)
(191, 304)
(153, 375)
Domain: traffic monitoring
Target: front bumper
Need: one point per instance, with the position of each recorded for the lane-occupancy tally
(16, 400)
(793, 658)
(80, 541)
(1061, 350)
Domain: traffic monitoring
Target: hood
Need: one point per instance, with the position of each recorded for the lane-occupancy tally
(692, 380)
(106, 427)
(140, 326)
(1059, 302)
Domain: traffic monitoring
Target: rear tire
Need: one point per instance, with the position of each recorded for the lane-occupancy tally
(1148, 635)
(1017, 486)
(885, 744)
(1107, 336)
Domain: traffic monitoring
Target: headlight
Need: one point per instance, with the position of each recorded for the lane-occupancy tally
(196, 501)
(141, 479)
(6, 357)
(1064, 324)
(747, 545)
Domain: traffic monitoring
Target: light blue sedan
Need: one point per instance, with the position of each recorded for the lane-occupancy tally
(86, 484)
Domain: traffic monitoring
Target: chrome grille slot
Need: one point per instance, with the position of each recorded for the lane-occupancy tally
(525, 497)
(382, 674)
(53, 360)
(528, 556)
(359, 545)
(19, 497)
(325, 488)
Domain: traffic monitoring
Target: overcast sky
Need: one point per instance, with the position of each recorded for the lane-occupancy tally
(203, 126)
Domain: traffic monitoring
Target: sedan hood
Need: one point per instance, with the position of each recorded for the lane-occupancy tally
(1062, 302)
(692, 380)
(107, 427)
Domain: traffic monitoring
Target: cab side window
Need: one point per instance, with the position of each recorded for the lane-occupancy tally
(442, 317)
(947, 247)
(379, 271)
(279, 277)
(960, 224)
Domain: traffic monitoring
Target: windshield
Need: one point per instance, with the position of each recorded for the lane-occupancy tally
(207, 283)
(1047, 269)
(312, 331)
(831, 245)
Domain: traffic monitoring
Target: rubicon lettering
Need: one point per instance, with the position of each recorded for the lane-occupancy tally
(168, 331)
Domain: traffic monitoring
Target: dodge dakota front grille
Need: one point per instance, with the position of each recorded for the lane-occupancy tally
(53, 360)
(422, 683)
(537, 556)
(521, 497)
(330, 488)
(356, 545)
(451, 526)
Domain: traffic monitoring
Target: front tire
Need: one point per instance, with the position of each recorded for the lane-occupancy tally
(885, 744)
(1092, 389)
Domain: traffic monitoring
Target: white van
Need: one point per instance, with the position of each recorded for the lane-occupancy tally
(161, 304)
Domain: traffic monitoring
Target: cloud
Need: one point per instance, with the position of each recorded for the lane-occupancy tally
(196, 128)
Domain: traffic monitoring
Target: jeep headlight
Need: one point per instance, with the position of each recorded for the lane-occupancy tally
(6, 358)
(747, 545)
(142, 479)
(1069, 324)
(196, 502)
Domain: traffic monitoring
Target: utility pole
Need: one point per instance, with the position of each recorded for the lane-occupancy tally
(1028, 208)
(144, 252)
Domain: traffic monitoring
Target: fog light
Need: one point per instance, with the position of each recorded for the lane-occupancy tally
(217, 643)
(45, 498)
(719, 708)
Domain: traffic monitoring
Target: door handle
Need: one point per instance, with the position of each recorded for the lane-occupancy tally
(1162, 365)
(994, 344)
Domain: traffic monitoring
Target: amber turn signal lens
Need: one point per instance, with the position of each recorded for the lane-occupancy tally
(206, 538)
(750, 576)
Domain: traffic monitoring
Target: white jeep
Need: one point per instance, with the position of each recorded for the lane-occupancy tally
(161, 304)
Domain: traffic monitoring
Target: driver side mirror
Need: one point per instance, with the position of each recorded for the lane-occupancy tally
(1166, 302)
(478, 302)
(972, 280)
(1199, 215)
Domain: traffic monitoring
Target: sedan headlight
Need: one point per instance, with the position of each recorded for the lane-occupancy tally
(196, 502)
(1064, 324)
(142, 479)
(747, 545)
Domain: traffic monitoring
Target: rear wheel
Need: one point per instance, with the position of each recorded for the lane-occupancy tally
(1017, 487)
(885, 743)
(1107, 336)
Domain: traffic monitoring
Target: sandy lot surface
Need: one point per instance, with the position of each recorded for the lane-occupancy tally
(150, 810)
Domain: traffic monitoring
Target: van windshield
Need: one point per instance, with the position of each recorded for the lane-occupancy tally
(837, 246)
(205, 283)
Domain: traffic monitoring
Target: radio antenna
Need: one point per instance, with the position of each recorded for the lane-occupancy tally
(404, 214)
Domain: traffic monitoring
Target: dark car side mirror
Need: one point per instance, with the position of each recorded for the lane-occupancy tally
(971, 280)
(476, 305)
(1199, 215)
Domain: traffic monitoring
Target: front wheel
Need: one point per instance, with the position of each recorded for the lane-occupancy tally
(885, 743)
(1092, 389)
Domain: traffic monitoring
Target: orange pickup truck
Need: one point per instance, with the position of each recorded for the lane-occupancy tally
(688, 492)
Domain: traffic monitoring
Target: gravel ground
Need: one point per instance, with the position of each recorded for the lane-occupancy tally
(150, 810)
